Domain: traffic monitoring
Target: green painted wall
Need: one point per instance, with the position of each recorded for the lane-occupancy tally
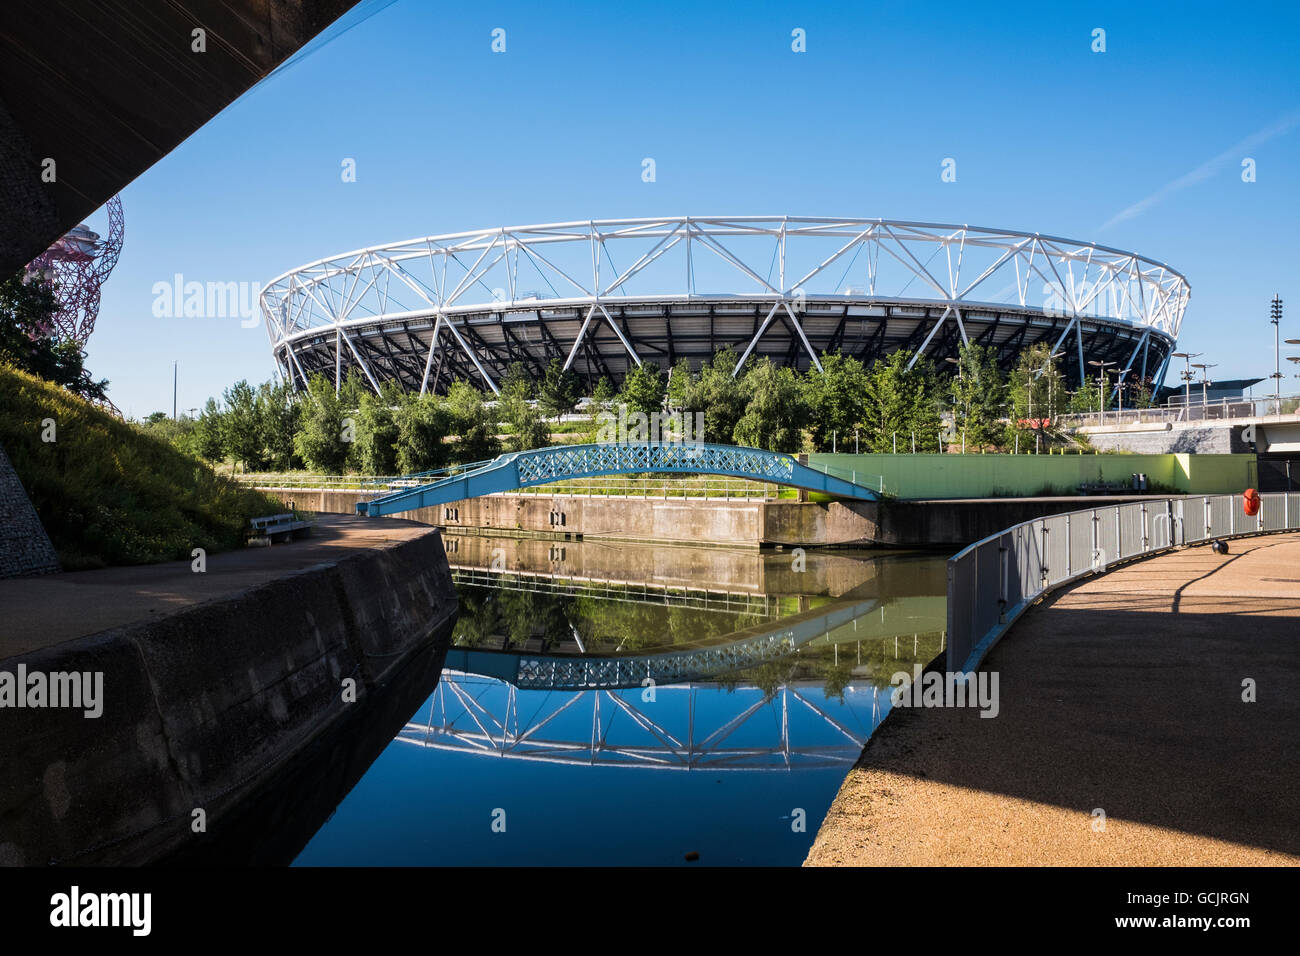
(983, 476)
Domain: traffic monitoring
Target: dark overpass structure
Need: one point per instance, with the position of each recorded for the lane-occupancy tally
(107, 88)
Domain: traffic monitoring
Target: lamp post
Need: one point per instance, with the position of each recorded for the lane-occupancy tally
(1119, 388)
(1101, 387)
(1205, 379)
(1187, 375)
(961, 377)
(1051, 390)
(1275, 316)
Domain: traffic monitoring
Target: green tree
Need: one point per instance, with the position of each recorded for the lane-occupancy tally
(719, 394)
(643, 389)
(179, 432)
(354, 385)
(1036, 389)
(278, 417)
(604, 392)
(901, 402)
(978, 394)
(322, 441)
(517, 381)
(1137, 395)
(775, 414)
(527, 430)
(560, 389)
(836, 399)
(1093, 394)
(241, 436)
(474, 423)
(680, 382)
(207, 441)
(27, 340)
(376, 435)
(422, 425)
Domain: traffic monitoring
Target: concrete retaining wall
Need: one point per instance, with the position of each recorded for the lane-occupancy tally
(909, 524)
(1158, 440)
(680, 520)
(901, 524)
(201, 705)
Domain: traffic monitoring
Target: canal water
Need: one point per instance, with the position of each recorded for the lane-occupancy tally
(628, 704)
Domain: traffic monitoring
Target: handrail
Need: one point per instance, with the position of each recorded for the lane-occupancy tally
(1287, 406)
(993, 581)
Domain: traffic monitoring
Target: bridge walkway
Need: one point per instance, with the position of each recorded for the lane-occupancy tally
(1121, 694)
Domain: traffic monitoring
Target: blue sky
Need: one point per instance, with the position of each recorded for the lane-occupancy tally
(447, 136)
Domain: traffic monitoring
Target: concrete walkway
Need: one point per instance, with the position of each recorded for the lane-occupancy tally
(41, 611)
(1122, 694)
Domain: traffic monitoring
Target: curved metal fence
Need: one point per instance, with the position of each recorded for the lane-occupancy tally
(993, 581)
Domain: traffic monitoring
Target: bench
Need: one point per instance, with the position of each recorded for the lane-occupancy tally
(1104, 487)
(282, 527)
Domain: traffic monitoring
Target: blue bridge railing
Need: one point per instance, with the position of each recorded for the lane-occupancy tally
(542, 466)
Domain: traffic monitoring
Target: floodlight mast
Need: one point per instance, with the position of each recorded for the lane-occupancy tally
(1275, 317)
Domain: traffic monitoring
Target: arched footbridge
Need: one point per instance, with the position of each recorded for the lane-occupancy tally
(542, 466)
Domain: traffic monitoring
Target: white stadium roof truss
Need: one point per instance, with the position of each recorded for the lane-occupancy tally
(778, 265)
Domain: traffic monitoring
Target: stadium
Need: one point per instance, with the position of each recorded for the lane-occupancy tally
(603, 295)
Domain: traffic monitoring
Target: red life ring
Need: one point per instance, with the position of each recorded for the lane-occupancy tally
(1250, 502)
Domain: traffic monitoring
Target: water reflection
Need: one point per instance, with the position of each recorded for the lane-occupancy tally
(578, 668)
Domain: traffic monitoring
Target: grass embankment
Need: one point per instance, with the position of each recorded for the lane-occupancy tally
(109, 494)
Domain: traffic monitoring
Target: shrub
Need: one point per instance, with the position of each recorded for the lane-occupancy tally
(109, 493)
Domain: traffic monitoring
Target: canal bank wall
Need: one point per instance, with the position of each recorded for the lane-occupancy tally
(202, 706)
(721, 522)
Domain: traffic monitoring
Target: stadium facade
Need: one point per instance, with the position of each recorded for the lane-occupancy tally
(604, 295)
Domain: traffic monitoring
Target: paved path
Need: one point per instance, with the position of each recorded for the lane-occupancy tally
(39, 611)
(1123, 693)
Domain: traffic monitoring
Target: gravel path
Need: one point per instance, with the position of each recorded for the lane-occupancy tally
(1122, 694)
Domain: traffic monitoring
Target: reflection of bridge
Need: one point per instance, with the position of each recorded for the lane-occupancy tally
(743, 649)
(609, 589)
(545, 465)
(684, 727)
(715, 579)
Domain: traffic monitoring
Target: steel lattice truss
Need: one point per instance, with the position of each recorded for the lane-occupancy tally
(609, 294)
(78, 264)
(471, 714)
(564, 462)
(541, 466)
(674, 667)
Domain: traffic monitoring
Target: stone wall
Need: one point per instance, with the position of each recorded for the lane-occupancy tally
(1160, 441)
(25, 548)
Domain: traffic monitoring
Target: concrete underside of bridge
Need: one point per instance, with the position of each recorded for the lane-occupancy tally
(726, 523)
(106, 89)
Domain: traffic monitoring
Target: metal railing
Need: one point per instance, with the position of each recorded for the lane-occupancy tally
(992, 582)
(302, 479)
(1175, 413)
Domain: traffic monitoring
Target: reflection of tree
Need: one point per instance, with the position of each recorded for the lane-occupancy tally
(500, 618)
(477, 620)
(837, 678)
(818, 662)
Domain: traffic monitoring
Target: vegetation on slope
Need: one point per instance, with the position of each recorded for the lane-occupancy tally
(107, 492)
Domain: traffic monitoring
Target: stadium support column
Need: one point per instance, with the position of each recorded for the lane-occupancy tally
(1078, 330)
